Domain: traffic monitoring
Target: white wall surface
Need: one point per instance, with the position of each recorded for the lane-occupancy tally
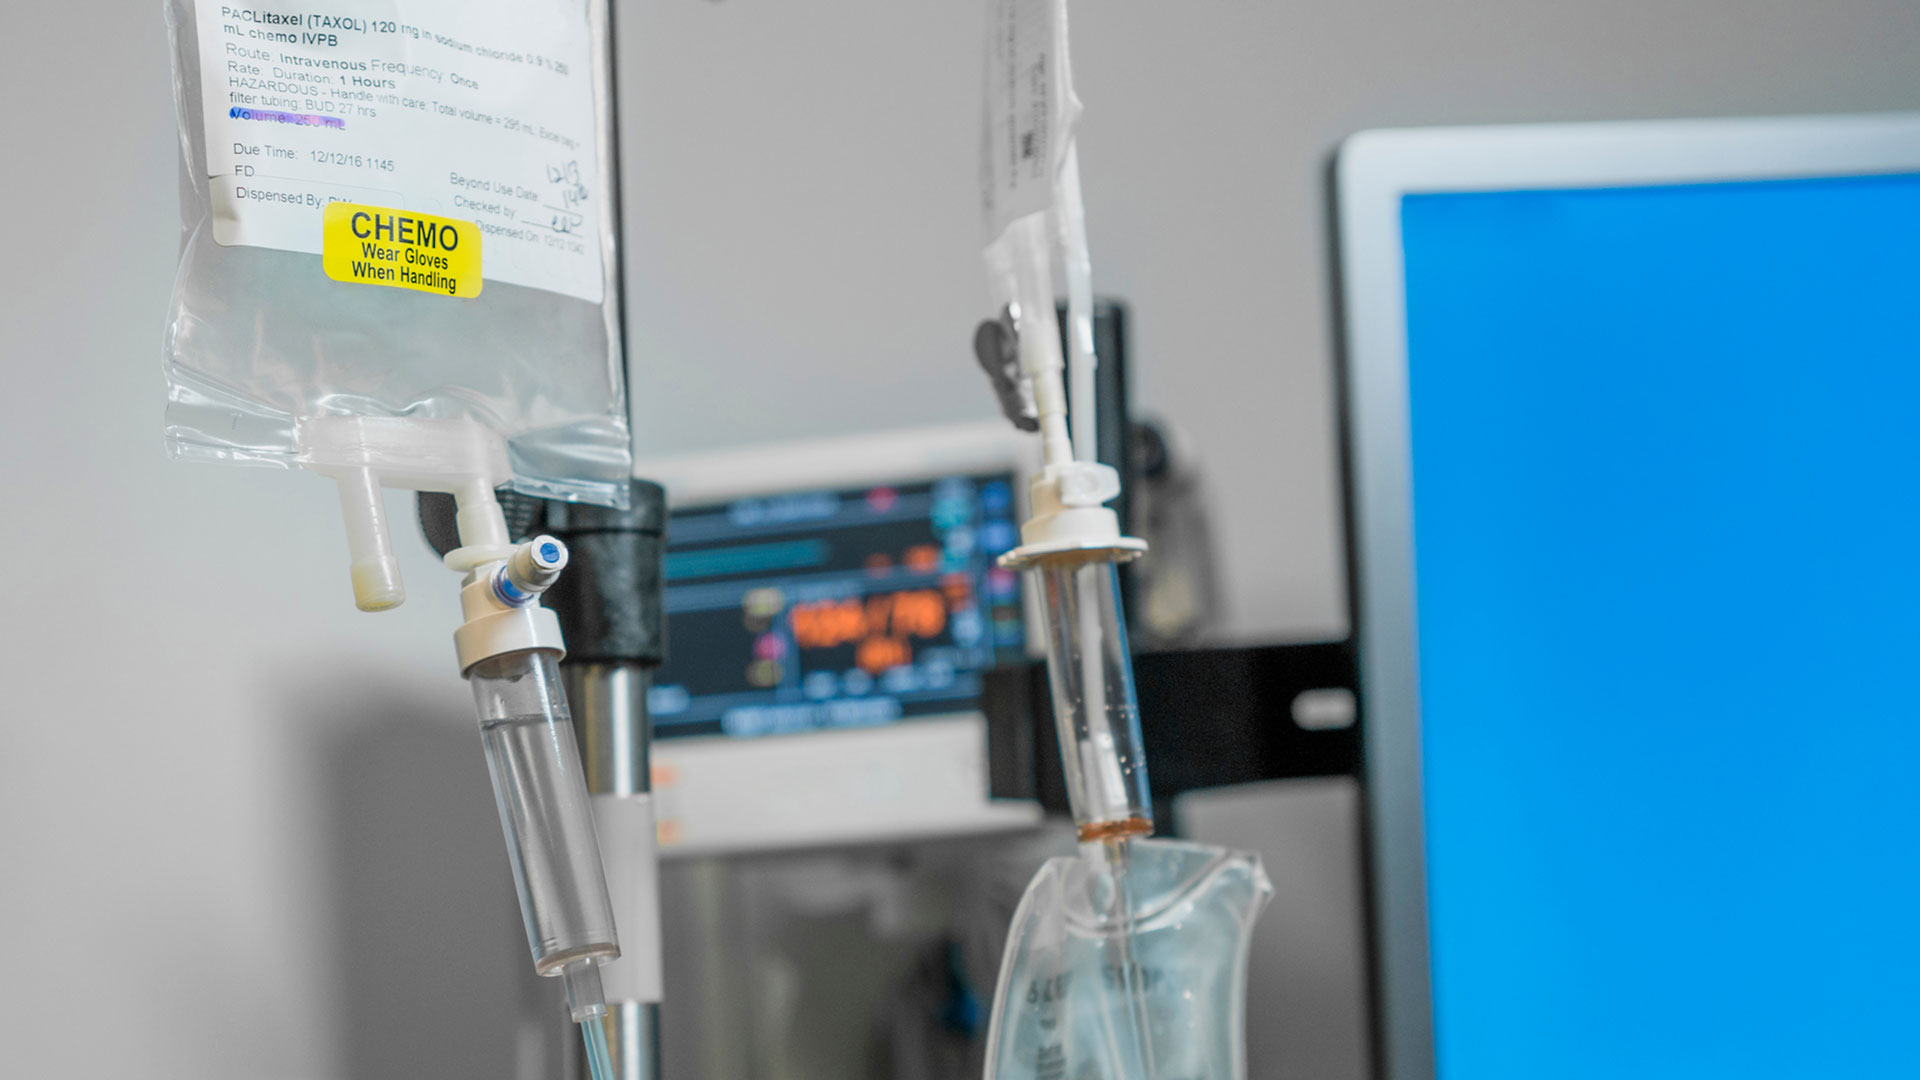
(246, 829)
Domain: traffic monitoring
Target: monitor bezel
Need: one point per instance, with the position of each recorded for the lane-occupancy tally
(1373, 172)
(902, 455)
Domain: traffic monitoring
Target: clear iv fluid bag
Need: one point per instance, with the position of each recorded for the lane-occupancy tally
(1079, 977)
(1094, 710)
(262, 339)
(540, 788)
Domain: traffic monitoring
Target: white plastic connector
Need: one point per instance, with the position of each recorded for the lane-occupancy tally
(370, 559)
(365, 454)
(530, 571)
(1069, 515)
(586, 1000)
(1083, 484)
(504, 615)
(1068, 496)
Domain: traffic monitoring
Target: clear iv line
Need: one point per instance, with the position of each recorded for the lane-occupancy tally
(599, 1059)
(1119, 852)
(1078, 267)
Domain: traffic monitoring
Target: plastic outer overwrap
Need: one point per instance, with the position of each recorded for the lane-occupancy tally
(1078, 981)
(261, 342)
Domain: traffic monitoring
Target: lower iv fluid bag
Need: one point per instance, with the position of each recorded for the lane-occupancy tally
(1088, 993)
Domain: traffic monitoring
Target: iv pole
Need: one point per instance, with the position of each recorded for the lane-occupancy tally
(612, 613)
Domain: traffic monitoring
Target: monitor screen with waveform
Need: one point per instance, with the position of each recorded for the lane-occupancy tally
(837, 609)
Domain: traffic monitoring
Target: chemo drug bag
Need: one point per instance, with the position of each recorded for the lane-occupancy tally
(398, 243)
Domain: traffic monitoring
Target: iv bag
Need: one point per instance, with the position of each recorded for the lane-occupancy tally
(1086, 993)
(399, 211)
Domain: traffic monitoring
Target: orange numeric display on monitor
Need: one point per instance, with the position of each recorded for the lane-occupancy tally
(881, 625)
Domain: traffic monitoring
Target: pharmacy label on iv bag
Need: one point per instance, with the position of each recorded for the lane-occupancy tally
(478, 111)
(1030, 109)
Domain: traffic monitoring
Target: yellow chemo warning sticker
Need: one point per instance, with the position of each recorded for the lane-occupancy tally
(372, 245)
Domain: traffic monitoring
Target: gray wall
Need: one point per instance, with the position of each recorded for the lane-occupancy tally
(804, 246)
(247, 831)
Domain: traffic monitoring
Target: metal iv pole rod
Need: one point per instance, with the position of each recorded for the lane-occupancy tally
(611, 610)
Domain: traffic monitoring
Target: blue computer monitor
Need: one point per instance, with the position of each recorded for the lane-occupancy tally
(1636, 445)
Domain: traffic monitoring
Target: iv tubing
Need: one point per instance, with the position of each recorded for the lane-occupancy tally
(587, 1003)
(1039, 334)
(1068, 542)
(599, 1058)
(1066, 441)
(1119, 852)
(509, 647)
(1078, 267)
